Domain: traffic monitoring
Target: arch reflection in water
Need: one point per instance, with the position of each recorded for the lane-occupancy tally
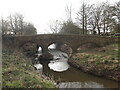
(59, 62)
(72, 77)
(58, 65)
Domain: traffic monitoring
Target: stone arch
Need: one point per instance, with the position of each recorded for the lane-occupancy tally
(52, 45)
(59, 44)
(39, 48)
(54, 42)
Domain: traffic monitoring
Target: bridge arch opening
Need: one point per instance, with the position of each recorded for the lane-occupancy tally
(60, 46)
(52, 46)
(40, 49)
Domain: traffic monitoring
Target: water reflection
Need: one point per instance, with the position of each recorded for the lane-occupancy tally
(59, 62)
(72, 77)
(80, 85)
(58, 66)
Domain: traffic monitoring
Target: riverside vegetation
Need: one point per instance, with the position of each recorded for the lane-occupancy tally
(18, 72)
(102, 61)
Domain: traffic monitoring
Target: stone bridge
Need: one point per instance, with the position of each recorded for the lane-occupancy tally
(44, 40)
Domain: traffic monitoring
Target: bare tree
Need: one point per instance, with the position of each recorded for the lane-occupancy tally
(107, 21)
(29, 29)
(116, 11)
(17, 26)
(5, 27)
(83, 16)
(21, 22)
(55, 26)
(68, 11)
(98, 17)
(101, 18)
(91, 20)
(16, 23)
(70, 28)
(116, 14)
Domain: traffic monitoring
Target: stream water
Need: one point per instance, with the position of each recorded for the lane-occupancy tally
(70, 77)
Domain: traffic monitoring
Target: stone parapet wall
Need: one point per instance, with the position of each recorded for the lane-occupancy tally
(44, 40)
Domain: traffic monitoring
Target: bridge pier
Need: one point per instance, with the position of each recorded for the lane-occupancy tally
(45, 53)
(74, 49)
(44, 49)
(58, 46)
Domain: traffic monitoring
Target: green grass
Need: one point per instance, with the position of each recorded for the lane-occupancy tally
(115, 36)
(109, 58)
(103, 61)
(18, 72)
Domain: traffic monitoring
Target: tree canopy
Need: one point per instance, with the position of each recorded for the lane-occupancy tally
(16, 25)
(101, 19)
(70, 28)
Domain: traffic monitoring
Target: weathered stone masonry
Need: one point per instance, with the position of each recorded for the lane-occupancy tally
(44, 40)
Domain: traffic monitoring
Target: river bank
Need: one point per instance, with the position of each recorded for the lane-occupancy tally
(103, 61)
(18, 72)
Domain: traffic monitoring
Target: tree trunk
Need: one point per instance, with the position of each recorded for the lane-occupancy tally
(104, 27)
(98, 31)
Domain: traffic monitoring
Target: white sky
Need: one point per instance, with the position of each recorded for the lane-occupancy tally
(41, 12)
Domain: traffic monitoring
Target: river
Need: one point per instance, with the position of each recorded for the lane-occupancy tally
(70, 77)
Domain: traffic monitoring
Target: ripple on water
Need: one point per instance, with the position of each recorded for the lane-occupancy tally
(80, 85)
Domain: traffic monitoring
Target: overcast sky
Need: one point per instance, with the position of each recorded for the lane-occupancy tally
(41, 12)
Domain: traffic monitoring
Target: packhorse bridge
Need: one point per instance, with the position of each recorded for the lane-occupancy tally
(44, 40)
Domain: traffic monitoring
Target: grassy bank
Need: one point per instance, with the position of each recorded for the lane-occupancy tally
(18, 72)
(102, 61)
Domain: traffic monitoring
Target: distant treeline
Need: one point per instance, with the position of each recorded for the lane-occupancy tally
(15, 25)
(95, 19)
(101, 19)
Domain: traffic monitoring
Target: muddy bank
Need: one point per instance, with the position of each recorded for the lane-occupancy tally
(109, 74)
(103, 62)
